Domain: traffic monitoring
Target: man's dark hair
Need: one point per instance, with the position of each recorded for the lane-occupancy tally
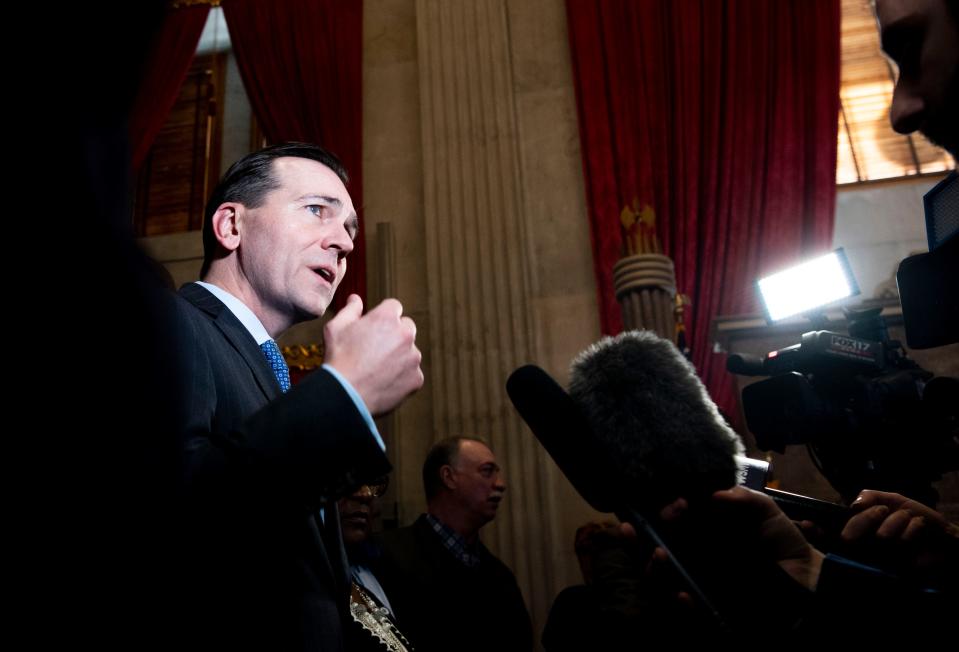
(250, 179)
(442, 453)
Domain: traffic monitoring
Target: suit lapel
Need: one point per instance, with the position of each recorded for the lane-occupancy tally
(236, 334)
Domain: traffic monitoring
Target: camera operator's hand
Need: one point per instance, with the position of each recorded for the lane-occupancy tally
(904, 536)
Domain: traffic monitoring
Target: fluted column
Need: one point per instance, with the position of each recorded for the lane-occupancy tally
(479, 297)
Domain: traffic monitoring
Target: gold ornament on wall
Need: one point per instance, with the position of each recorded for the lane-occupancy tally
(303, 357)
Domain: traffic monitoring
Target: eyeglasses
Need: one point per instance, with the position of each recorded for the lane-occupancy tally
(374, 489)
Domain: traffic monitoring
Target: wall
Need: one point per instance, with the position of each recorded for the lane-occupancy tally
(879, 224)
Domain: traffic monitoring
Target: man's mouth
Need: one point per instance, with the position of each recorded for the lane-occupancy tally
(357, 517)
(326, 273)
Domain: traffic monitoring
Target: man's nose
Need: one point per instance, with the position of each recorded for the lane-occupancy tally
(499, 483)
(907, 110)
(363, 495)
(339, 239)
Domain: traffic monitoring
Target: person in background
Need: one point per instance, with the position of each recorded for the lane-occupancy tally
(374, 624)
(448, 590)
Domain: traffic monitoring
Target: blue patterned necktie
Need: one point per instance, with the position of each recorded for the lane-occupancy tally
(278, 364)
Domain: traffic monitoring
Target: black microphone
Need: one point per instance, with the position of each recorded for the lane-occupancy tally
(562, 429)
(564, 432)
(745, 364)
(647, 408)
(637, 430)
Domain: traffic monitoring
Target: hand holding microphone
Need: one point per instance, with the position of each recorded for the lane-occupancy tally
(903, 536)
(638, 435)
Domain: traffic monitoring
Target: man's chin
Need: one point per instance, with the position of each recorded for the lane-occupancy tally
(314, 309)
(949, 142)
(354, 536)
(490, 514)
(943, 132)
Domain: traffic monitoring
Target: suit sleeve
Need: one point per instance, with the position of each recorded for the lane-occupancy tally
(314, 441)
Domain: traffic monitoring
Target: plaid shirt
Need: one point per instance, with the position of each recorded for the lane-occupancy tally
(462, 551)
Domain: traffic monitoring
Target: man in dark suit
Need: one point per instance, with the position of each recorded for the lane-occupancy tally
(263, 465)
(448, 591)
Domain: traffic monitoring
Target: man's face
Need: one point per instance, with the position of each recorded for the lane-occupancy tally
(356, 516)
(921, 36)
(479, 485)
(293, 247)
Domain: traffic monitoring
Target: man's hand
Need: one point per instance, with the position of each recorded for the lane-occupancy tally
(754, 525)
(778, 537)
(905, 534)
(375, 352)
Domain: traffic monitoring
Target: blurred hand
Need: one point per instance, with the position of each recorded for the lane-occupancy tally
(903, 533)
(671, 512)
(375, 352)
(778, 538)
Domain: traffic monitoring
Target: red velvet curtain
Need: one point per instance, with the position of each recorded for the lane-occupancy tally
(169, 60)
(301, 65)
(722, 116)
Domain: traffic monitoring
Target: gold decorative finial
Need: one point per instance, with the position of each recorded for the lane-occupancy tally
(639, 228)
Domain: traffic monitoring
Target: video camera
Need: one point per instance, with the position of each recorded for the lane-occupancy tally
(870, 416)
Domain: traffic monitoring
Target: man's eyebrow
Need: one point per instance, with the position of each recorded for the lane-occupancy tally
(332, 201)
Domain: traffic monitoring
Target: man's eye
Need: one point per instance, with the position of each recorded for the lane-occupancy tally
(316, 209)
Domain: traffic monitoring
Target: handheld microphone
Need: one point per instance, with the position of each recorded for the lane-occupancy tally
(645, 405)
(562, 429)
(647, 408)
(638, 431)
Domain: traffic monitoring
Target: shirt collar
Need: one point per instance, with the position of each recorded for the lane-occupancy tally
(452, 541)
(240, 311)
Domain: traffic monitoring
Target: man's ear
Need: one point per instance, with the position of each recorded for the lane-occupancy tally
(446, 476)
(225, 225)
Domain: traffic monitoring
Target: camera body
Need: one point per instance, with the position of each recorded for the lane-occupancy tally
(869, 415)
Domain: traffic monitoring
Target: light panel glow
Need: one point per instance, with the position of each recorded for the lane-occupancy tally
(812, 284)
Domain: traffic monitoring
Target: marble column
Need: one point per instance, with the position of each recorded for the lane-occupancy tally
(478, 264)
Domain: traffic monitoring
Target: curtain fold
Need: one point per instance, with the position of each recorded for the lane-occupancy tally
(722, 116)
(169, 60)
(301, 63)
